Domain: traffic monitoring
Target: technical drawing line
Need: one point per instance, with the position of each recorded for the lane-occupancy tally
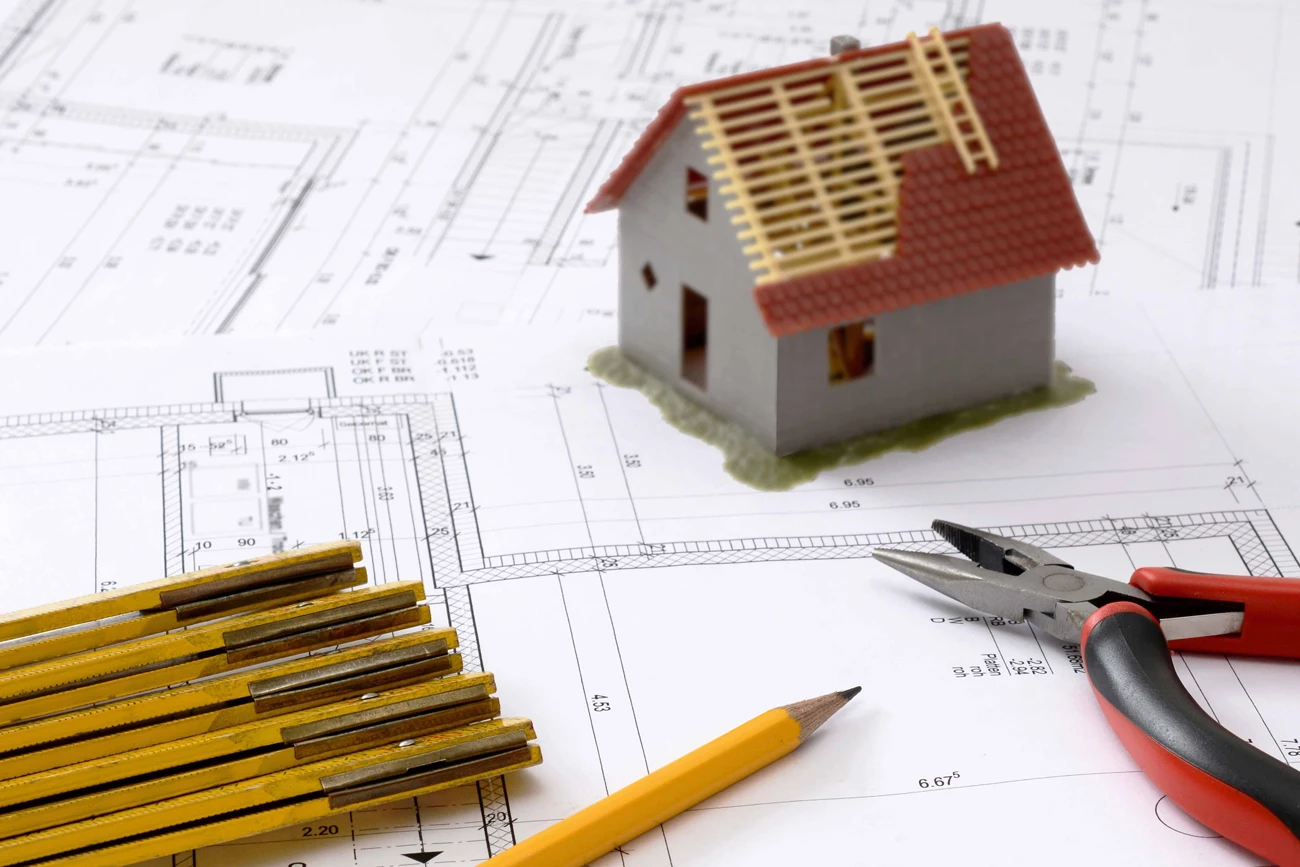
(468, 511)
(491, 133)
(1261, 230)
(1276, 743)
(1002, 656)
(577, 483)
(238, 306)
(1241, 215)
(146, 120)
(1046, 661)
(1214, 240)
(392, 151)
(184, 159)
(577, 661)
(514, 196)
(411, 481)
(1192, 674)
(1123, 132)
(24, 34)
(622, 667)
(278, 235)
(833, 798)
(76, 236)
(595, 155)
(622, 460)
(67, 80)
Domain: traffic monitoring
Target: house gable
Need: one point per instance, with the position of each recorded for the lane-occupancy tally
(658, 230)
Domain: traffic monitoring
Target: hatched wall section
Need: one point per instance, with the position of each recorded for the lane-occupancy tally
(929, 358)
(656, 228)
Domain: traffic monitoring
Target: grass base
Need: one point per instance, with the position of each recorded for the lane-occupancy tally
(753, 465)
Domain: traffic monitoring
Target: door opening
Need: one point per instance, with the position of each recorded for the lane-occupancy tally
(695, 337)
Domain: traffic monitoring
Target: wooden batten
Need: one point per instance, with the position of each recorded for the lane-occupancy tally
(811, 162)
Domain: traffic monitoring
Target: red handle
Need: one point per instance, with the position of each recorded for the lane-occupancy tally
(1272, 609)
(1226, 783)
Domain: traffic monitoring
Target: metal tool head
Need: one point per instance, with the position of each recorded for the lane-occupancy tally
(999, 553)
(1012, 580)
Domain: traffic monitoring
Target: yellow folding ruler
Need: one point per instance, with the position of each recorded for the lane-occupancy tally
(413, 767)
(202, 651)
(226, 701)
(149, 609)
(130, 779)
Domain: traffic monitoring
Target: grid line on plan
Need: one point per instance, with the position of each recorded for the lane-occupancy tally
(429, 474)
(492, 798)
(173, 529)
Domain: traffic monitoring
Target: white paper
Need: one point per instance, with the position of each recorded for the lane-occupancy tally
(176, 167)
(588, 553)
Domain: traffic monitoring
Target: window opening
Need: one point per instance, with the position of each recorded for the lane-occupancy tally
(697, 194)
(851, 350)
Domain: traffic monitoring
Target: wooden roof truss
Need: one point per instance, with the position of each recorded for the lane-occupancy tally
(810, 162)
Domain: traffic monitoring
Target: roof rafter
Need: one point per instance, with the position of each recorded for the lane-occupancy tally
(811, 161)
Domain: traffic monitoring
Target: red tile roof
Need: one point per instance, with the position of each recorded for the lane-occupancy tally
(957, 232)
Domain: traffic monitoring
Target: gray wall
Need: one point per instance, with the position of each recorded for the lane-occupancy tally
(654, 226)
(928, 359)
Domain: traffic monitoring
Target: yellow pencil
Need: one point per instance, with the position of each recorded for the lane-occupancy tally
(654, 799)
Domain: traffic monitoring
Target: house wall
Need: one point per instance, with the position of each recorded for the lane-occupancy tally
(929, 358)
(654, 226)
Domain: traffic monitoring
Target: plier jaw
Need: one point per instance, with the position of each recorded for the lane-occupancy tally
(1000, 554)
(1012, 579)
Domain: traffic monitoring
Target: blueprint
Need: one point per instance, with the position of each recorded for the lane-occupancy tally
(377, 206)
(584, 550)
(173, 167)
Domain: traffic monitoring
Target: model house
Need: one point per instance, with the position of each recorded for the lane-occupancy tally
(847, 244)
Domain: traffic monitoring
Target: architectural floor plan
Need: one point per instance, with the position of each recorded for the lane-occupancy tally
(246, 166)
(583, 551)
(341, 246)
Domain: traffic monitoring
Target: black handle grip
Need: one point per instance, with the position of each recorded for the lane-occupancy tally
(1215, 776)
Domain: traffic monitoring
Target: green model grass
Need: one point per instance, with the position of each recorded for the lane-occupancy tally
(750, 463)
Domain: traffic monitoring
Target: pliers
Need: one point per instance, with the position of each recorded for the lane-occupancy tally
(1126, 632)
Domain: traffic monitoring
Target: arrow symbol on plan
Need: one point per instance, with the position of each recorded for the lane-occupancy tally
(423, 857)
(481, 256)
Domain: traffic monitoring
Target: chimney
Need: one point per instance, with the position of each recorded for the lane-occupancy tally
(844, 43)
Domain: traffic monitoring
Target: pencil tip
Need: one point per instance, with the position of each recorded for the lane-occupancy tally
(812, 713)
